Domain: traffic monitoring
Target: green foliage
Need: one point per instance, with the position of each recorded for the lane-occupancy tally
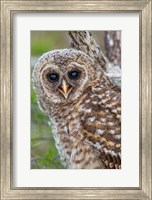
(43, 41)
(47, 160)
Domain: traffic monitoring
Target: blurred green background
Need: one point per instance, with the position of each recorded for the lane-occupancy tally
(44, 154)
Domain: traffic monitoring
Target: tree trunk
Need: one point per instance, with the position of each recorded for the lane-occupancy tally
(113, 47)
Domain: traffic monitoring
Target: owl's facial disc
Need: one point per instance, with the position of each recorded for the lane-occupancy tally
(65, 89)
(64, 83)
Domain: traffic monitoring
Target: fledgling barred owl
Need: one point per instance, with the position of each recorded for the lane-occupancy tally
(84, 108)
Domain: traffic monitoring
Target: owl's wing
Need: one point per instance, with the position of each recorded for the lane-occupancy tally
(101, 115)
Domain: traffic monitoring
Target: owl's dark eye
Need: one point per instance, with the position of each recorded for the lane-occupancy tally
(74, 74)
(53, 77)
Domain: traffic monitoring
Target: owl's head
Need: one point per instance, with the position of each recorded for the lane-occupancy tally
(61, 76)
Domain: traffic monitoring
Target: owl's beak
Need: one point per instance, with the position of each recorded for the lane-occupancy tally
(65, 89)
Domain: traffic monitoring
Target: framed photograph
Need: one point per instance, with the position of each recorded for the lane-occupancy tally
(62, 150)
(68, 71)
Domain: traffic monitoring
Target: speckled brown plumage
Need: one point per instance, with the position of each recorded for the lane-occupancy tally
(87, 120)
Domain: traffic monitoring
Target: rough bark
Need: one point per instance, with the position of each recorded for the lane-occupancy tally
(84, 41)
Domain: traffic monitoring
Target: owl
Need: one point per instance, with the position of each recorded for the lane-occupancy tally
(84, 109)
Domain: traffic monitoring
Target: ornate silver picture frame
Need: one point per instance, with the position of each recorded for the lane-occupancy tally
(8, 10)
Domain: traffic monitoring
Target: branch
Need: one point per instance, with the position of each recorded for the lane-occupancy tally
(84, 41)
